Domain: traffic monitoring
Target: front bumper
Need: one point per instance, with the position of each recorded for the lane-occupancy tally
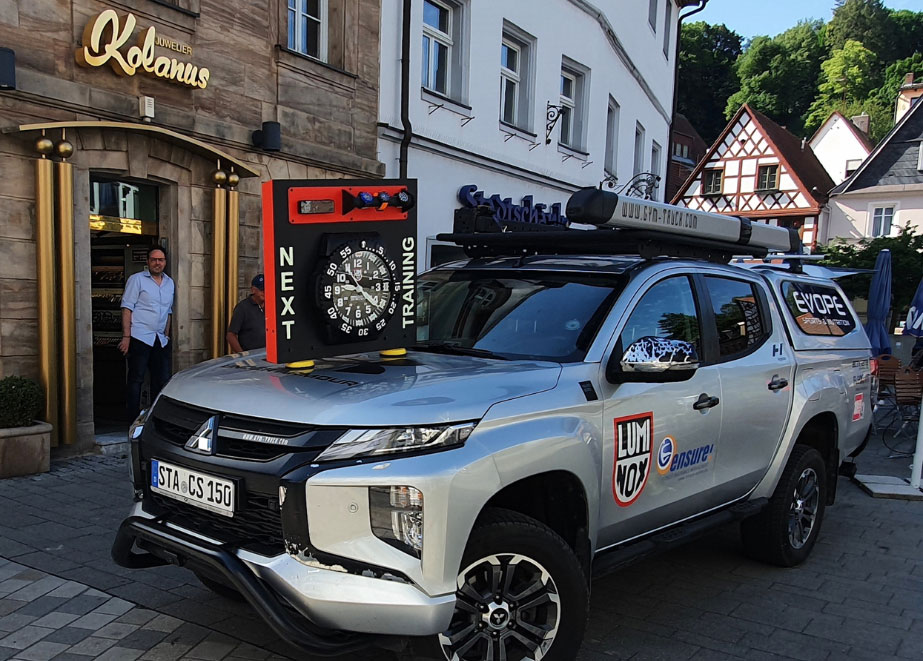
(341, 612)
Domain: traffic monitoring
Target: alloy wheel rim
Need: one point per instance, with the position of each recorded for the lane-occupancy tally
(803, 511)
(507, 608)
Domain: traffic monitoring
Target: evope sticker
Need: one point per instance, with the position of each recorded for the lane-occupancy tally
(858, 408)
(633, 450)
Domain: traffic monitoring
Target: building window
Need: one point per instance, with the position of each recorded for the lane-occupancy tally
(638, 165)
(767, 178)
(711, 182)
(881, 221)
(437, 46)
(655, 163)
(652, 14)
(307, 27)
(667, 18)
(510, 63)
(680, 150)
(573, 82)
(853, 164)
(919, 157)
(516, 50)
(612, 137)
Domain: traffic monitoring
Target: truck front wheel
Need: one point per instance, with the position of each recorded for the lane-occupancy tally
(521, 594)
(785, 532)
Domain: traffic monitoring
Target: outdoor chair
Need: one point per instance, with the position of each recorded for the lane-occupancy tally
(907, 393)
(884, 408)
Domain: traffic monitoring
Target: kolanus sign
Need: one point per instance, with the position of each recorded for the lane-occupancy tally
(105, 41)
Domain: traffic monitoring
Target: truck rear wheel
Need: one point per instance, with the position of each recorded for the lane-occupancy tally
(785, 532)
(522, 594)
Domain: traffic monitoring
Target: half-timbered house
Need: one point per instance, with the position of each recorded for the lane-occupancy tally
(758, 170)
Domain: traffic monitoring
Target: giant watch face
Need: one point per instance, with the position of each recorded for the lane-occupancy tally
(357, 289)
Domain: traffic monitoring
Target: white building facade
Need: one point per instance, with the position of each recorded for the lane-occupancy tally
(524, 100)
(841, 146)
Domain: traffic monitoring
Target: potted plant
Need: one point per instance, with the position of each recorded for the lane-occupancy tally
(25, 443)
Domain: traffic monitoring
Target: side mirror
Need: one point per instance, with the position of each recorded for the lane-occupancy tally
(654, 359)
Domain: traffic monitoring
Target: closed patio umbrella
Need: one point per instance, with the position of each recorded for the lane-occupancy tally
(880, 305)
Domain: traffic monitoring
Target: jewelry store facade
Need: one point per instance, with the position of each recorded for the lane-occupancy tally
(125, 125)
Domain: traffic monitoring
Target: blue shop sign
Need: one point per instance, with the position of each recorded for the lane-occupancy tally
(504, 210)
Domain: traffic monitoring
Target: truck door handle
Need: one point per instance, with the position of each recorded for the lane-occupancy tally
(777, 383)
(705, 401)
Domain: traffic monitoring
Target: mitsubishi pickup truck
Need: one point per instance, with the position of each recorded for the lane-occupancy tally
(575, 400)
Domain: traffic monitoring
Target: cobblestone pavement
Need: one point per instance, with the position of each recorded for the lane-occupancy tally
(859, 596)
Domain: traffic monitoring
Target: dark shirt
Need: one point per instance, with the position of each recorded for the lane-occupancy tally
(248, 323)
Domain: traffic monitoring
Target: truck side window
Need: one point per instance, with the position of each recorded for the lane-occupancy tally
(666, 310)
(738, 317)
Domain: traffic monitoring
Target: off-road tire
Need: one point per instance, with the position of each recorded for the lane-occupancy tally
(779, 534)
(506, 534)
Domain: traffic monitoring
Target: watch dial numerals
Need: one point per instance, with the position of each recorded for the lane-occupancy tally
(357, 287)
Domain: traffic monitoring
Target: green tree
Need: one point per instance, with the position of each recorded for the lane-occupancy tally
(866, 21)
(779, 76)
(894, 78)
(848, 77)
(906, 265)
(908, 33)
(706, 74)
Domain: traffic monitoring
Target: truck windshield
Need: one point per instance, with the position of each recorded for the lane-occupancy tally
(513, 315)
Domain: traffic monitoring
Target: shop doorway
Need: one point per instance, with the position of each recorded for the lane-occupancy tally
(123, 226)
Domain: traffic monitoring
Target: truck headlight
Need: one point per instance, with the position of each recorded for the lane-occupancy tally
(134, 433)
(396, 515)
(373, 442)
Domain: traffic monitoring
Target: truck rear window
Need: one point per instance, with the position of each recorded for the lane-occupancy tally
(817, 309)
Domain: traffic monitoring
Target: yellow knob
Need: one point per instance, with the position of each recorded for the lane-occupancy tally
(300, 364)
(393, 353)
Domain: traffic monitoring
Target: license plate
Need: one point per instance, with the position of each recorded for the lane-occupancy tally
(211, 493)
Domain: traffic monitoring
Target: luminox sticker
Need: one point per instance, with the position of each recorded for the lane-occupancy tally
(633, 449)
(665, 454)
(858, 408)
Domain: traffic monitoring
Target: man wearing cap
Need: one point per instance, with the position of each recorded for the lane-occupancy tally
(247, 329)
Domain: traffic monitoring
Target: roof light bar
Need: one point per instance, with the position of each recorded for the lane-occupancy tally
(606, 209)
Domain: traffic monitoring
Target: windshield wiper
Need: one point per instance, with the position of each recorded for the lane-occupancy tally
(454, 348)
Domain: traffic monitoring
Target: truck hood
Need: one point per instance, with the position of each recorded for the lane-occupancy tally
(362, 390)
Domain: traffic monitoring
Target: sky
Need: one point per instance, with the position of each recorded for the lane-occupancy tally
(750, 18)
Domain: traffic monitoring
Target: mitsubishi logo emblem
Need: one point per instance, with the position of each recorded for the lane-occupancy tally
(203, 440)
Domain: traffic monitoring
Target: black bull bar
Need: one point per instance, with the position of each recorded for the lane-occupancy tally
(164, 545)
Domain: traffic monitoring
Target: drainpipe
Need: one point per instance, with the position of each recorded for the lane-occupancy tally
(405, 88)
(679, 29)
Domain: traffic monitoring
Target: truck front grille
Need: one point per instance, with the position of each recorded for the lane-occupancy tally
(256, 526)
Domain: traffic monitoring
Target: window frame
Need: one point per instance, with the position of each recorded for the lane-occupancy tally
(568, 105)
(524, 43)
(508, 75)
(667, 19)
(296, 9)
(652, 14)
(656, 155)
(720, 187)
(760, 188)
(444, 38)
(613, 119)
(638, 156)
(873, 210)
(710, 321)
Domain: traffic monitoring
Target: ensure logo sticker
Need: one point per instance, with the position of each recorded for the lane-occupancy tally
(665, 454)
(633, 449)
(858, 408)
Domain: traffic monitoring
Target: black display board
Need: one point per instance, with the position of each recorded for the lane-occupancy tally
(340, 262)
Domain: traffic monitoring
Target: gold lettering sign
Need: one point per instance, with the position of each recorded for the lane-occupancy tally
(106, 35)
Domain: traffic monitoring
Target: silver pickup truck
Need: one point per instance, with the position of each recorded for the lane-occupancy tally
(560, 416)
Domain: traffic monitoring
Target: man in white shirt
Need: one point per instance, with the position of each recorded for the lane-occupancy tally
(147, 310)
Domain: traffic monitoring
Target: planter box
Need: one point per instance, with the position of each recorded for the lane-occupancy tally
(25, 450)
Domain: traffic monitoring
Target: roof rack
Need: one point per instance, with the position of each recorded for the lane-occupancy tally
(625, 226)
